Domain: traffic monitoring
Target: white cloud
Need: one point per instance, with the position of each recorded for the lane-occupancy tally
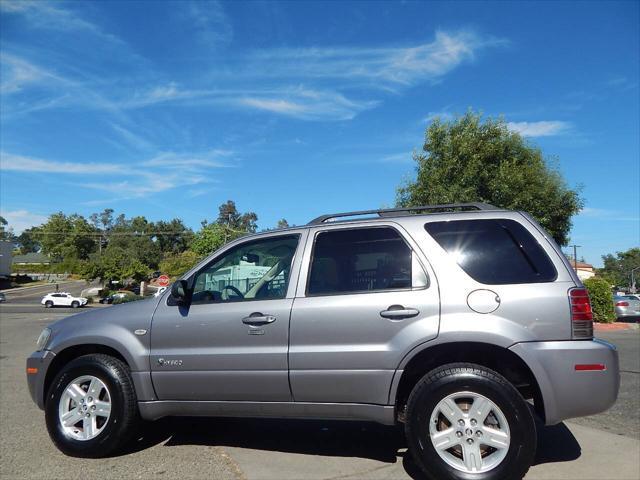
(308, 83)
(20, 220)
(210, 159)
(540, 129)
(306, 104)
(163, 172)
(18, 73)
(19, 163)
(395, 65)
(48, 15)
(209, 21)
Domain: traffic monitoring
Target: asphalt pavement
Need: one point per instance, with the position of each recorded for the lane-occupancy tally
(604, 446)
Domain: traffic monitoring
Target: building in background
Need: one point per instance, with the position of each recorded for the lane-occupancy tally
(584, 270)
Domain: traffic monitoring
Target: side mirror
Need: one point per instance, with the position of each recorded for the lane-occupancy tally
(179, 292)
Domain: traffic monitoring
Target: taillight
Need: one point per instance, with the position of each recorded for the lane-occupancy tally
(581, 314)
(622, 304)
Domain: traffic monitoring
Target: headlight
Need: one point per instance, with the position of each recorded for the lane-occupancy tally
(43, 339)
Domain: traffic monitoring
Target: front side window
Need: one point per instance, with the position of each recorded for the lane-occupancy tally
(495, 251)
(359, 260)
(257, 270)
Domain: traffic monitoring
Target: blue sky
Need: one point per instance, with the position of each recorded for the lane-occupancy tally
(294, 109)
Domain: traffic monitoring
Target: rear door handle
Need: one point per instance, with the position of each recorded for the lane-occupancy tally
(257, 318)
(397, 312)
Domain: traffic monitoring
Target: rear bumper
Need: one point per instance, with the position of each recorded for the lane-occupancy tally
(566, 391)
(40, 361)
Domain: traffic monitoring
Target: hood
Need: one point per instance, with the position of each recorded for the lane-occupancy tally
(104, 325)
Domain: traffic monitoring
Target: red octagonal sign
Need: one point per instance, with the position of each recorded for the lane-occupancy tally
(163, 280)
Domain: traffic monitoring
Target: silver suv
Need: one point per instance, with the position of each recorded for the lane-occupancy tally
(459, 321)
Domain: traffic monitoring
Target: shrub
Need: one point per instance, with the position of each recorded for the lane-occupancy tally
(601, 299)
(127, 299)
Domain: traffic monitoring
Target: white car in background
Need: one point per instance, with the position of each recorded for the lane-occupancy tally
(160, 291)
(63, 299)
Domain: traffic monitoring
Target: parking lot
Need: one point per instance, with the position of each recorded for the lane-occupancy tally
(604, 446)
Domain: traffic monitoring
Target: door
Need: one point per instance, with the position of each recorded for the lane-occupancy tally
(230, 343)
(364, 298)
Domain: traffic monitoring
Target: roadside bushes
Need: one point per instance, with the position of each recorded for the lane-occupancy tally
(127, 299)
(601, 299)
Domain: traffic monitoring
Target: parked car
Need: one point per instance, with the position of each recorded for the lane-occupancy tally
(450, 320)
(627, 306)
(62, 299)
(3, 298)
(119, 294)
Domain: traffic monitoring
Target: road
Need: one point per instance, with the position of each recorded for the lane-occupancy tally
(598, 447)
(27, 299)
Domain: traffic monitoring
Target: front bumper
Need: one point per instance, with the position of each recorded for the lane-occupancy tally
(566, 391)
(40, 361)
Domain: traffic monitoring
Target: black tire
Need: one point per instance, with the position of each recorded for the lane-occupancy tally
(48, 304)
(466, 377)
(124, 415)
(74, 304)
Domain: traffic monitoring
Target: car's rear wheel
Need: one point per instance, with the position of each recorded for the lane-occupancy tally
(467, 422)
(48, 304)
(75, 304)
(91, 407)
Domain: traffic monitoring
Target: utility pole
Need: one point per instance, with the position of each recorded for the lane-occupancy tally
(575, 256)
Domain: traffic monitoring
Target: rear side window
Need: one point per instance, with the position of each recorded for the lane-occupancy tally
(494, 252)
(359, 260)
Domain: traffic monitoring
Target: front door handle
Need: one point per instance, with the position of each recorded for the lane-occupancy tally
(398, 312)
(257, 318)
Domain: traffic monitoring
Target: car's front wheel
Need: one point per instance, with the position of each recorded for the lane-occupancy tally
(48, 304)
(75, 304)
(91, 407)
(467, 422)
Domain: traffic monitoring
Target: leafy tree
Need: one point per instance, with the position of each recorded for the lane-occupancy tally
(173, 236)
(617, 268)
(471, 160)
(114, 264)
(230, 217)
(210, 238)
(66, 236)
(601, 299)
(282, 223)
(175, 265)
(27, 242)
(6, 232)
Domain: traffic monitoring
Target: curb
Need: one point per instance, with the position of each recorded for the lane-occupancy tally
(600, 327)
(20, 289)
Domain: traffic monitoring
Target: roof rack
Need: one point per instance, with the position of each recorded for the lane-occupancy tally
(388, 212)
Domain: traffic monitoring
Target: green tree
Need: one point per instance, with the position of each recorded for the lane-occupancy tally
(210, 238)
(282, 223)
(471, 160)
(230, 217)
(6, 232)
(114, 264)
(66, 236)
(177, 264)
(617, 268)
(601, 299)
(173, 237)
(27, 242)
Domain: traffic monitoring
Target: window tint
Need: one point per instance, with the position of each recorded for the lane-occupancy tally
(359, 260)
(257, 270)
(494, 252)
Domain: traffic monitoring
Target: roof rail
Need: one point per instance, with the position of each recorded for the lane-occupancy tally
(387, 212)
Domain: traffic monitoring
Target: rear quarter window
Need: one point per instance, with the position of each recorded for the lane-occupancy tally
(494, 251)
